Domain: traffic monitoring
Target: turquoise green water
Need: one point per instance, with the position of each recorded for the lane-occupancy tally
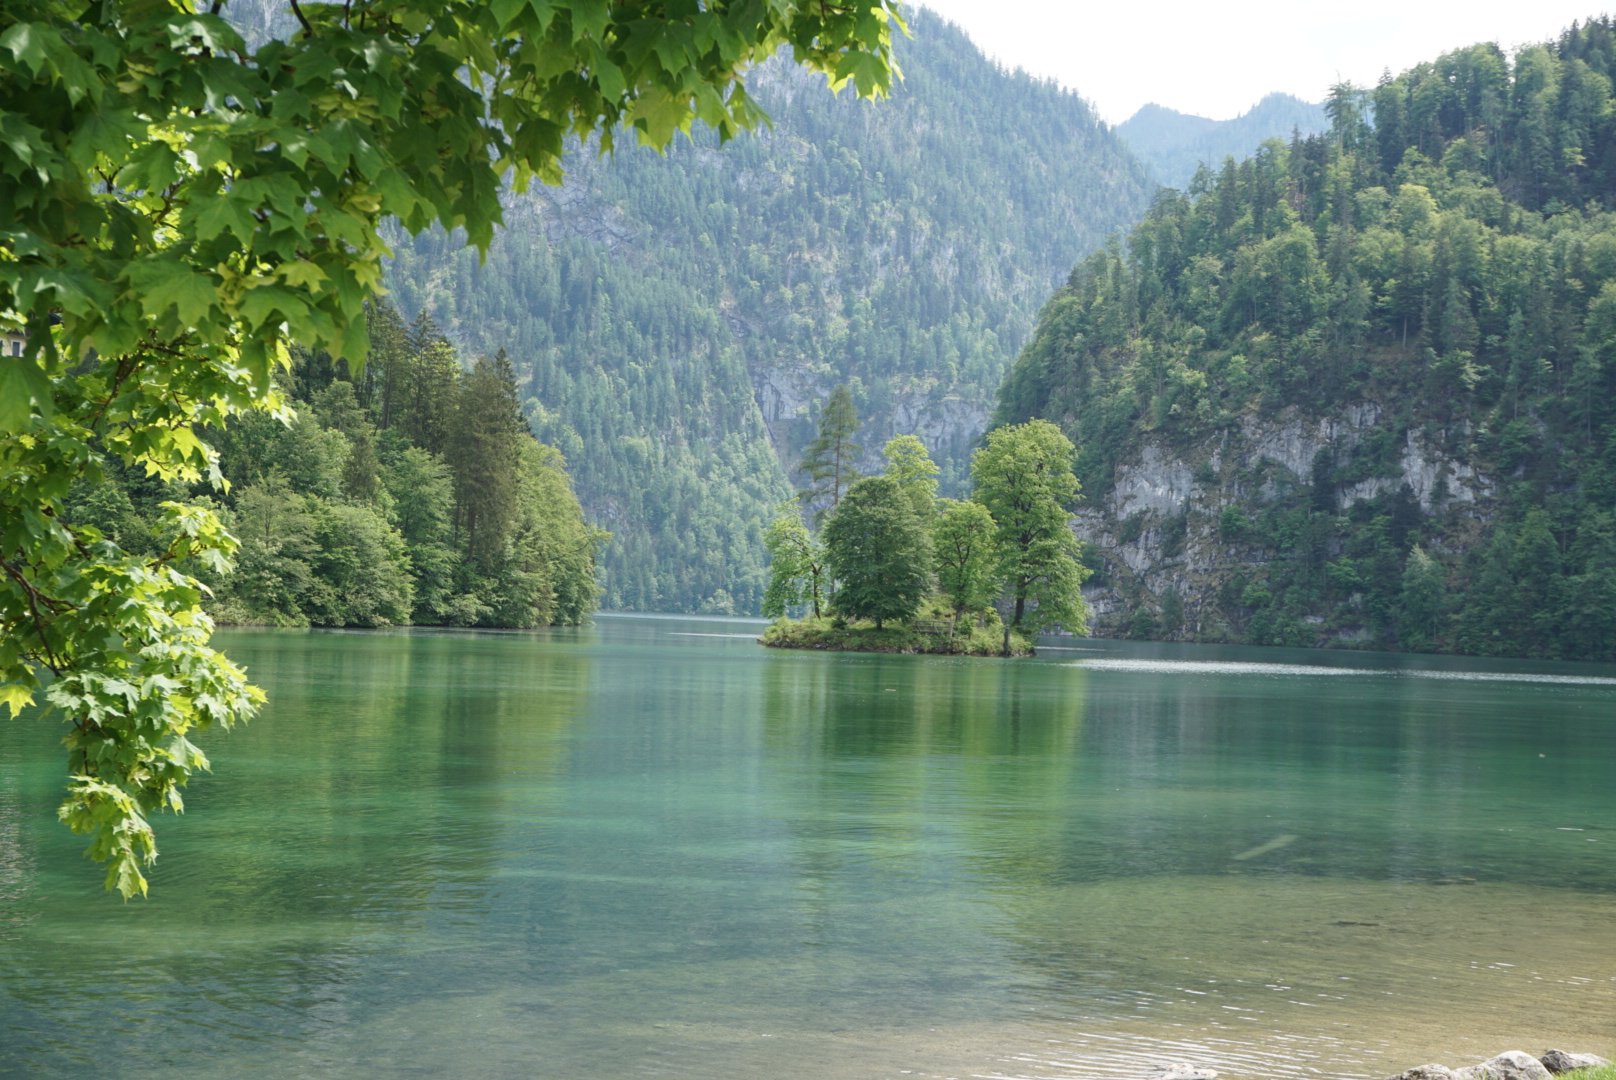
(650, 847)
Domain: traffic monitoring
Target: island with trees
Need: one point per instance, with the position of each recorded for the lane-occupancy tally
(890, 567)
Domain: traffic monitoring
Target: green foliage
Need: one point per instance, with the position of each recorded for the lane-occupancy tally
(493, 536)
(179, 205)
(911, 467)
(1447, 257)
(797, 570)
(965, 541)
(1024, 478)
(879, 551)
(650, 305)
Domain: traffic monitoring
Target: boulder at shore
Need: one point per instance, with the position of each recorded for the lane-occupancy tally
(1561, 1061)
(1510, 1065)
(1426, 1072)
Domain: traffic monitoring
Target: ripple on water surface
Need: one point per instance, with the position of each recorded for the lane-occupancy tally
(652, 848)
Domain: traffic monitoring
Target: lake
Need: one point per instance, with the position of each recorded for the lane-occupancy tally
(650, 847)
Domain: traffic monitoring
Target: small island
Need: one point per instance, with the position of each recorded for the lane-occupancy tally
(945, 636)
(895, 569)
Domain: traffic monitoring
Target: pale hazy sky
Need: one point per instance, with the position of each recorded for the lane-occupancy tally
(1217, 59)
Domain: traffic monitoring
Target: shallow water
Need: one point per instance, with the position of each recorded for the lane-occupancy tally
(652, 847)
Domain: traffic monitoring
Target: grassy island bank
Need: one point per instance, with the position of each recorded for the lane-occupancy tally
(915, 636)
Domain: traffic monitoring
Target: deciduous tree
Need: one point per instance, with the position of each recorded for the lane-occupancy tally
(797, 572)
(965, 540)
(911, 466)
(178, 206)
(879, 551)
(1024, 477)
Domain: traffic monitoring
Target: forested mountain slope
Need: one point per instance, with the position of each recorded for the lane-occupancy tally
(1175, 144)
(675, 321)
(1362, 388)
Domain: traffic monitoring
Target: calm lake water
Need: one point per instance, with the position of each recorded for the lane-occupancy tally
(651, 848)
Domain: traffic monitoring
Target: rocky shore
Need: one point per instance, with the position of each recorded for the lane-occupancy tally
(1510, 1065)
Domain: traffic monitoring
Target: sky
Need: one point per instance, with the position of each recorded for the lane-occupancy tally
(1217, 59)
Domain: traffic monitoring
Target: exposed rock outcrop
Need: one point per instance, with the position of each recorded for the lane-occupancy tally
(1561, 1061)
(1161, 529)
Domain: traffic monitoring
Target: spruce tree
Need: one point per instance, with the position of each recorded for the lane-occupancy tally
(831, 459)
(485, 451)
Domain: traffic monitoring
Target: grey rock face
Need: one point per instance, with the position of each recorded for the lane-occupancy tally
(1426, 1072)
(1562, 1061)
(1510, 1065)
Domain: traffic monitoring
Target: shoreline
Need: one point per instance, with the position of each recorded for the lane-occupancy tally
(920, 638)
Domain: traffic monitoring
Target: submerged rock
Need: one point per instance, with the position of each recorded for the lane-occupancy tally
(1562, 1061)
(1182, 1070)
(1426, 1072)
(1510, 1065)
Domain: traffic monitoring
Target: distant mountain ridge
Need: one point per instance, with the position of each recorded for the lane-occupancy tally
(1175, 144)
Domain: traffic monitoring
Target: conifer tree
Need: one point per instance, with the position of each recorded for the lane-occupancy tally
(831, 459)
(485, 451)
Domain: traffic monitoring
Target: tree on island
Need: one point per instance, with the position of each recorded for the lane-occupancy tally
(831, 460)
(182, 206)
(915, 472)
(797, 571)
(966, 545)
(879, 550)
(1023, 476)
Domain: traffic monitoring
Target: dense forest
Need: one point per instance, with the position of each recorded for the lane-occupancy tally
(674, 321)
(415, 494)
(1433, 284)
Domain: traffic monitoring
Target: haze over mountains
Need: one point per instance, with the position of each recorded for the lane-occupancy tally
(1174, 144)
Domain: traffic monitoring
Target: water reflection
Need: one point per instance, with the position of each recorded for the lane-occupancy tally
(651, 846)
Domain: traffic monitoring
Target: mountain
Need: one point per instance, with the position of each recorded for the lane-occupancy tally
(1175, 144)
(676, 320)
(1361, 389)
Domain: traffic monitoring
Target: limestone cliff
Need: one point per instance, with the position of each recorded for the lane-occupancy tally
(1174, 539)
